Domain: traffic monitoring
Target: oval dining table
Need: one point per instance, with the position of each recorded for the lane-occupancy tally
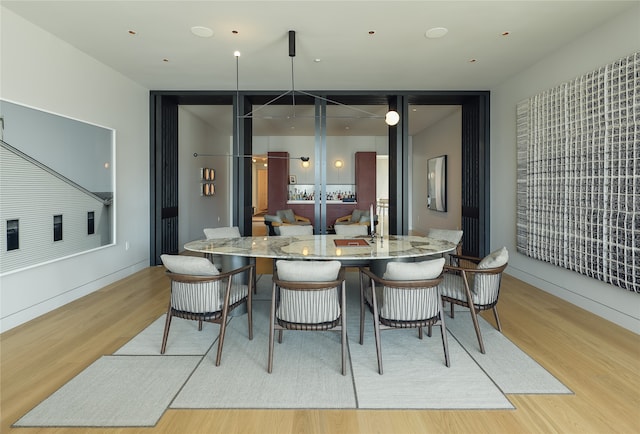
(350, 250)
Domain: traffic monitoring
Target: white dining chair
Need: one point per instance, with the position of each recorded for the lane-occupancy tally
(223, 232)
(452, 235)
(308, 295)
(406, 296)
(293, 230)
(475, 283)
(351, 230)
(199, 292)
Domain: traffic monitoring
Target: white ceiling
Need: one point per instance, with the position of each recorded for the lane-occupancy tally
(165, 55)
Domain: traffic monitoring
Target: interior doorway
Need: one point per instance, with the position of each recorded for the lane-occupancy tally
(262, 193)
(164, 157)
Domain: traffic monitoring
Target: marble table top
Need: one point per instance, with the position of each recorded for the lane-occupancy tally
(323, 247)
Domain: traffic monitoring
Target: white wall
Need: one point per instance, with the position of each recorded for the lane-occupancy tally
(39, 70)
(196, 212)
(443, 138)
(612, 41)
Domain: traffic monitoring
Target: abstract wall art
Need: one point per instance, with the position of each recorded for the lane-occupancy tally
(578, 174)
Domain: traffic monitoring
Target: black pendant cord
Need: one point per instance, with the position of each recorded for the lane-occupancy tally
(237, 105)
(292, 55)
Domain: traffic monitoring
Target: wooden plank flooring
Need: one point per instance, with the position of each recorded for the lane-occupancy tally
(598, 360)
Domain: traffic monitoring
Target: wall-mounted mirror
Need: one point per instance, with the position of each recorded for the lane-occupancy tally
(57, 187)
(437, 183)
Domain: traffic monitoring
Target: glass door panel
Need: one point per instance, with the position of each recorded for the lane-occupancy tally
(283, 145)
(325, 160)
(357, 161)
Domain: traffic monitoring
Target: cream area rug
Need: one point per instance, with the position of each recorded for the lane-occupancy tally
(135, 385)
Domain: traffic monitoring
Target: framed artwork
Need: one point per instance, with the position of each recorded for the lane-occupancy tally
(577, 181)
(437, 183)
(33, 139)
(293, 179)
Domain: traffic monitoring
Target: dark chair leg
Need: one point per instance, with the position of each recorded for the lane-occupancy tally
(270, 362)
(272, 320)
(474, 318)
(223, 323)
(361, 310)
(376, 332)
(420, 333)
(495, 314)
(223, 329)
(443, 333)
(167, 324)
(250, 302)
(255, 277)
(472, 310)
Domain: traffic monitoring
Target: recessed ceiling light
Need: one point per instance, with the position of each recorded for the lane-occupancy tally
(235, 32)
(133, 32)
(203, 32)
(317, 60)
(436, 32)
(506, 33)
(473, 60)
(165, 60)
(372, 32)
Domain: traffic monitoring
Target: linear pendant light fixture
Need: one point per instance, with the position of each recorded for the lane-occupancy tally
(237, 135)
(277, 157)
(391, 118)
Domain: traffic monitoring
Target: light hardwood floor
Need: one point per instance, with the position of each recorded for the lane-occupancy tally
(598, 360)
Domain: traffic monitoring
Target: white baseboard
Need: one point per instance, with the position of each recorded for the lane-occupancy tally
(582, 300)
(33, 312)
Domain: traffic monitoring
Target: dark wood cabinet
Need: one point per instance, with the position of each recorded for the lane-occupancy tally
(278, 176)
(366, 179)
